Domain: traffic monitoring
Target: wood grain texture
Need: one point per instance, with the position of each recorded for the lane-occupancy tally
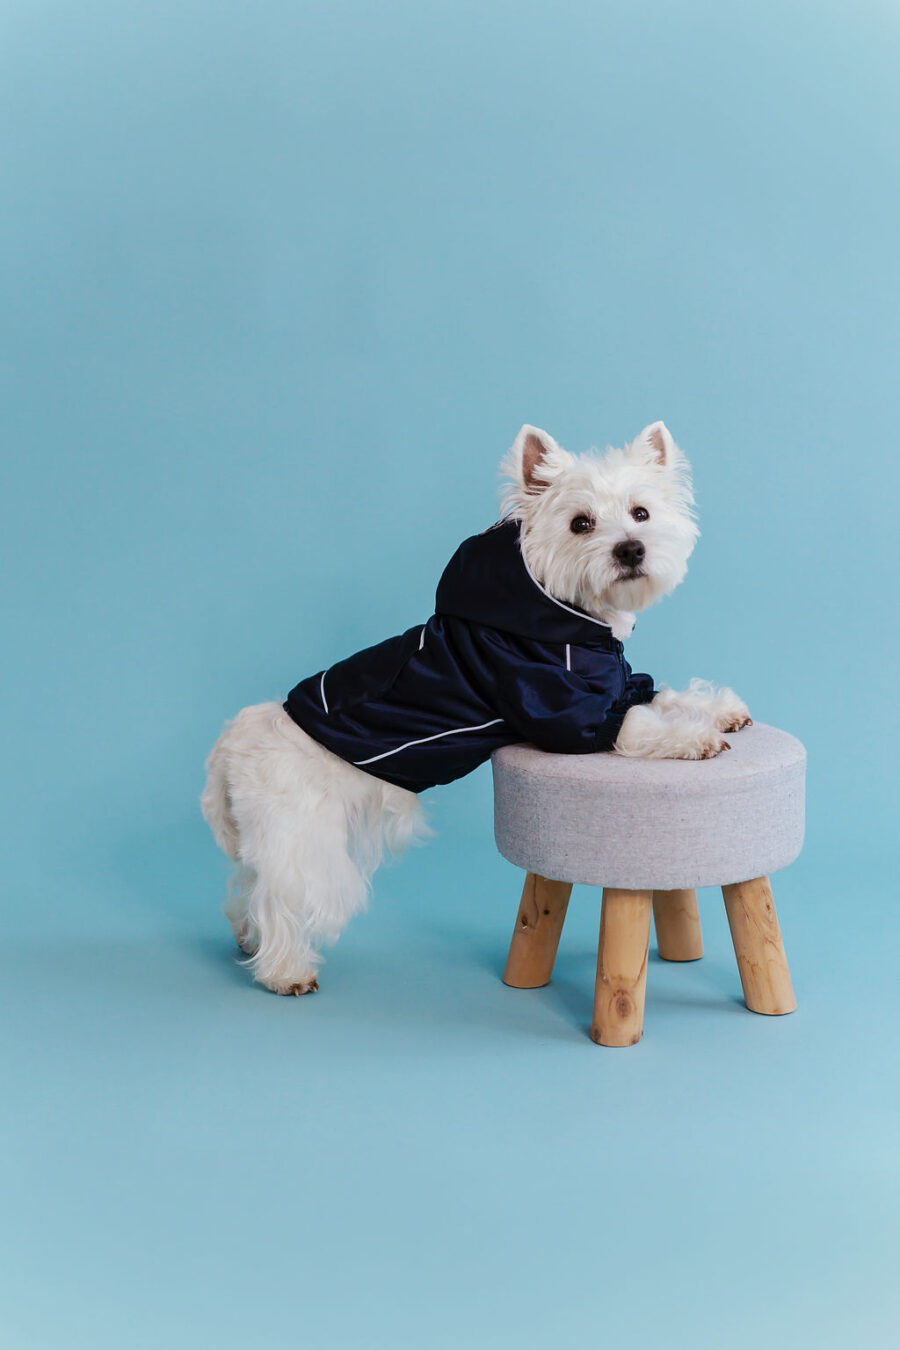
(677, 918)
(622, 967)
(539, 923)
(762, 964)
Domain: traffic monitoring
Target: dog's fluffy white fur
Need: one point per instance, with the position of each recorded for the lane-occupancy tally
(306, 830)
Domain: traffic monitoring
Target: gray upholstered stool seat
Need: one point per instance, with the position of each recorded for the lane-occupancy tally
(607, 821)
(652, 831)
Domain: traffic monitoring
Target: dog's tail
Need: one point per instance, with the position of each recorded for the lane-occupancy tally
(216, 800)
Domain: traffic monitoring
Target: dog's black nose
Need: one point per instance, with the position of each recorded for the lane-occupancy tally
(629, 552)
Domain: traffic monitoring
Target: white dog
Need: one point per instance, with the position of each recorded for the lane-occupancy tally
(525, 645)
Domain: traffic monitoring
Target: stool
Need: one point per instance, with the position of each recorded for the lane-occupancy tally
(650, 832)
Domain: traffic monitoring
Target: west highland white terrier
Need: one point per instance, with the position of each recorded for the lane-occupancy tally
(525, 644)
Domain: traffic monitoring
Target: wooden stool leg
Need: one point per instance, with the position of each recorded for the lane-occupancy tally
(622, 967)
(678, 935)
(758, 947)
(542, 912)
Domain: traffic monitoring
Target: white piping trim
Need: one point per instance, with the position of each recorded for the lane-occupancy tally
(422, 638)
(437, 735)
(322, 691)
(577, 612)
(568, 658)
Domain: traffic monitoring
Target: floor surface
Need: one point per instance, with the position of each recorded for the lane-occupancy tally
(418, 1156)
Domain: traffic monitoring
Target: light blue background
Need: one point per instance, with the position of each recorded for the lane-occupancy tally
(280, 283)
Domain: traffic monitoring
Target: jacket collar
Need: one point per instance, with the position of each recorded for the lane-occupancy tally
(488, 582)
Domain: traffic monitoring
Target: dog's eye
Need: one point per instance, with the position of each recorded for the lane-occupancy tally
(640, 513)
(581, 525)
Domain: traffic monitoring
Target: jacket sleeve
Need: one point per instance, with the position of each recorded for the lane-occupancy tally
(558, 709)
(638, 689)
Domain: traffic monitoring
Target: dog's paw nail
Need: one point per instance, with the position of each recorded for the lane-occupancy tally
(724, 746)
(296, 990)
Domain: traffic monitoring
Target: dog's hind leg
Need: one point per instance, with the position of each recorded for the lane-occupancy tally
(237, 908)
(311, 831)
(314, 862)
(216, 800)
(305, 889)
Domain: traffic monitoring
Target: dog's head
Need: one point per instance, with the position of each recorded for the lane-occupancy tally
(607, 533)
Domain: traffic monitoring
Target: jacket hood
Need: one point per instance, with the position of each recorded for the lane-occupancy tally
(487, 582)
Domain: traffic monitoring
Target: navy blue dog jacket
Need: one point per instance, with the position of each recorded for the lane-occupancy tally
(499, 661)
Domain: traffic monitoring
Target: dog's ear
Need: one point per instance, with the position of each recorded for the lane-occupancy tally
(534, 455)
(655, 443)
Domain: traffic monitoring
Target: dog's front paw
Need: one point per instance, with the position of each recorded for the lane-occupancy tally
(737, 722)
(730, 713)
(708, 747)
